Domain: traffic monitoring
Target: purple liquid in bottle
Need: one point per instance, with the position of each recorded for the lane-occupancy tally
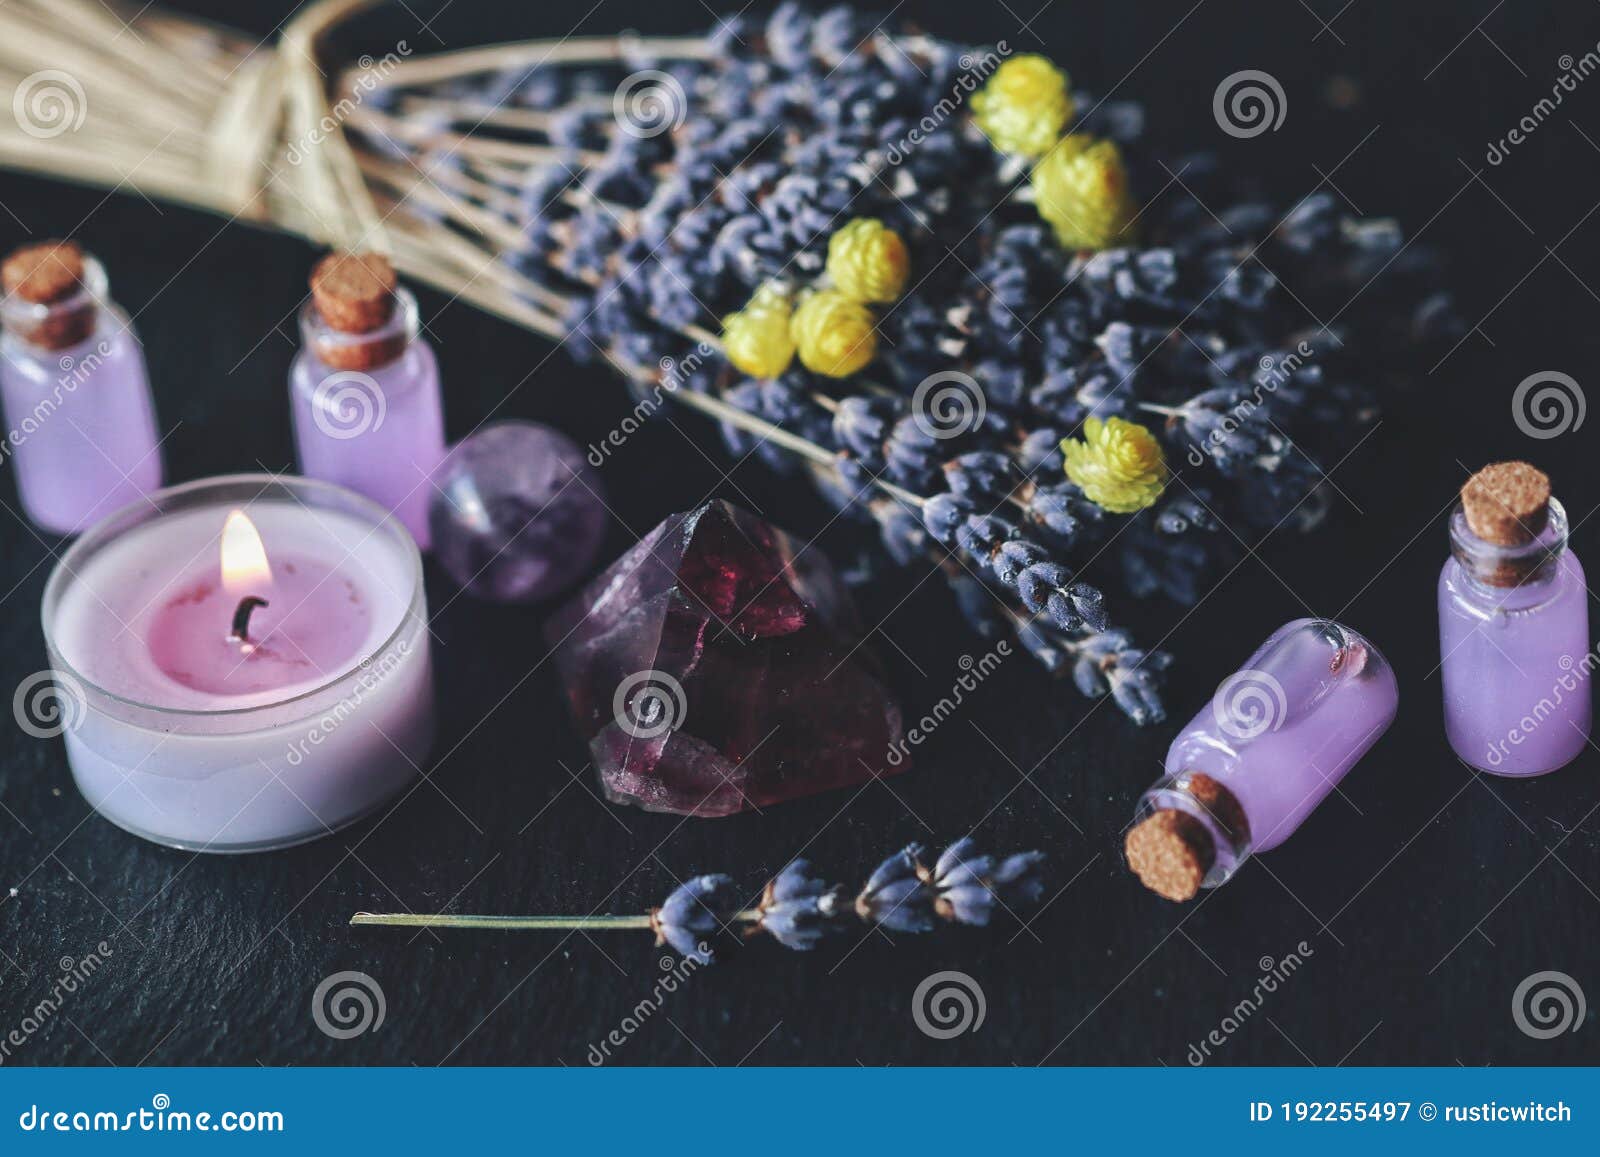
(378, 430)
(82, 425)
(1275, 740)
(1515, 652)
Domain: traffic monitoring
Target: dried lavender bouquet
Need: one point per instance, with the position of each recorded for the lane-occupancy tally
(951, 291)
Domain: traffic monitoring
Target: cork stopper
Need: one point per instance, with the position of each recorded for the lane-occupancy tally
(354, 294)
(1220, 804)
(1507, 504)
(45, 274)
(1171, 852)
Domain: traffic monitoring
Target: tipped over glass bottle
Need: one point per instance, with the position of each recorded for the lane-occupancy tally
(1278, 736)
(365, 389)
(1514, 644)
(77, 398)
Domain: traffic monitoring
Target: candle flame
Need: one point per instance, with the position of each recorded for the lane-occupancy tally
(244, 558)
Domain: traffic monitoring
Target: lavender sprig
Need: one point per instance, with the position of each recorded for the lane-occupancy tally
(797, 908)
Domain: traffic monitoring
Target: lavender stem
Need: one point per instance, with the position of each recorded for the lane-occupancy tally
(516, 923)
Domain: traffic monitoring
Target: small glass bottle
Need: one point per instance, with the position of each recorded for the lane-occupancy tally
(1514, 644)
(77, 397)
(365, 389)
(1276, 738)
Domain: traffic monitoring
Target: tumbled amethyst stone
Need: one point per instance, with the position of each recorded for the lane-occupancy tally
(718, 666)
(517, 513)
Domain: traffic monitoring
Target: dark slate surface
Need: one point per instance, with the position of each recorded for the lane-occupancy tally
(1424, 897)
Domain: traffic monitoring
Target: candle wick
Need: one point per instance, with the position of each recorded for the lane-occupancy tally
(241, 618)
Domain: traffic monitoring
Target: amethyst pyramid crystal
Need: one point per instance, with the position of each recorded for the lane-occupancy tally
(717, 666)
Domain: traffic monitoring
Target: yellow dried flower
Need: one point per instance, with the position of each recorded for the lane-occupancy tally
(756, 339)
(1118, 465)
(868, 262)
(1024, 106)
(834, 335)
(1081, 188)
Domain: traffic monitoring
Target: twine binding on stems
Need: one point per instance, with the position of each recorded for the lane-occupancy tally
(200, 115)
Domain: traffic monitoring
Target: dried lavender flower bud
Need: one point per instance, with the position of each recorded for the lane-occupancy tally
(1108, 662)
(1015, 556)
(895, 896)
(981, 474)
(1040, 452)
(902, 532)
(959, 879)
(860, 424)
(1017, 880)
(1047, 588)
(1062, 510)
(696, 916)
(982, 533)
(797, 909)
(969, 883)
(945, 515)
(1047, 648)
(1127, 346)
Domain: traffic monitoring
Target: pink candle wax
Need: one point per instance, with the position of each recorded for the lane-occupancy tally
(299, 618)
(246, 665)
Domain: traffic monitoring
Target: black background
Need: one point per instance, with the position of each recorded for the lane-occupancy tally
(1425, 895)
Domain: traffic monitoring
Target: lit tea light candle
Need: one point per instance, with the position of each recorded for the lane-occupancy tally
(246, 662)
(245, 629)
